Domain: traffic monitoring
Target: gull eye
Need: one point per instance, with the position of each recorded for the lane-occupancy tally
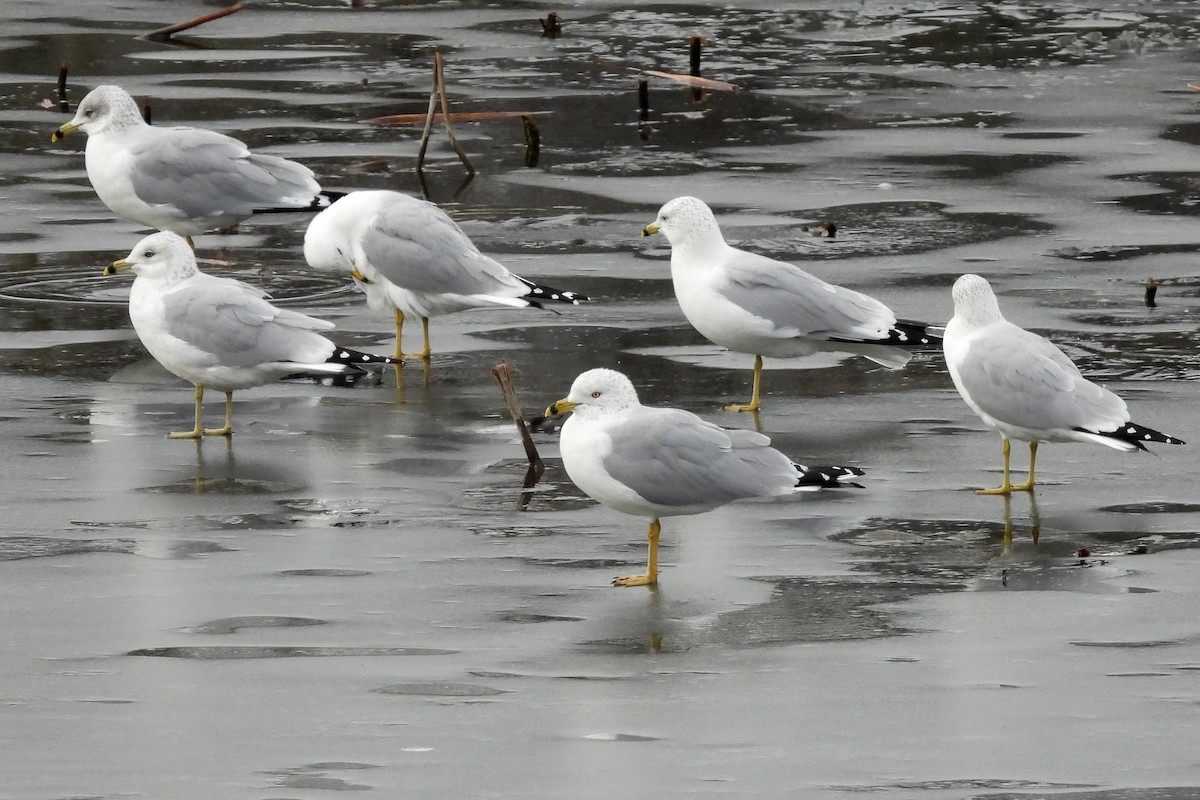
(89, 112)
(150, 254)
(596, 394)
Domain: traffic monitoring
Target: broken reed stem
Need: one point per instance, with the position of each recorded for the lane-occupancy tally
(63, 105)
(533, 141)
(696, 45)
(1151, 291)
(428, 122)
(551, 25)
(146, 114)
(170, 30)
(643, 100)
(438, 66)
(503, 374)
(438, 94)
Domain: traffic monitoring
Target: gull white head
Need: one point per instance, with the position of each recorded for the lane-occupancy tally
(974, 301)
(105, 108)
(329, 240)
(684, 221)
(165, 257)
(596, 393)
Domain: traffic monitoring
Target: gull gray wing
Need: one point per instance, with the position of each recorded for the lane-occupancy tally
(231, 321)
(419, 248)
(673, 458)
(792, 299)
(204, 173)
(1023, 379)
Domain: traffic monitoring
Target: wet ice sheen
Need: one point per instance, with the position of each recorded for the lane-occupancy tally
(896, 644)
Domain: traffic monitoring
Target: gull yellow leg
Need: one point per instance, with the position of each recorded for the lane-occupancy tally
(753, 404)
(399, 354)
(197, 431)
(1005, 487)
(424, 354)
(425, 329)
(228, 429)
(1027, 486)
(651, 576)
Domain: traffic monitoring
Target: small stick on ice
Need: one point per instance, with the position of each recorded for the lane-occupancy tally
(171, 30)
(439, 71)
(503, 373)
(63, 105)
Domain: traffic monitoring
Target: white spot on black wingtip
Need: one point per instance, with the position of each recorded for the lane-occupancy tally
(344, 354)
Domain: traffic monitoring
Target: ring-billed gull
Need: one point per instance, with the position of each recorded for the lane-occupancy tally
(753, 304)
(1022, 385)
(218, 332)
(180, 179)
(407, 255)
(662, 462)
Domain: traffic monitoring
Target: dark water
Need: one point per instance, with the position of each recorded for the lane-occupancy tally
(346, 598)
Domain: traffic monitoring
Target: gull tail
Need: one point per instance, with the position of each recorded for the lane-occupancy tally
(916, 335)
(1131, 436)
(358, 359)
(320, 201)
(539, 293)
(905, 334)
(828, 477)
(324, 199)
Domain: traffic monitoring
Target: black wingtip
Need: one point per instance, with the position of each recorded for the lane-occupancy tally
(826, 477)
(325, 198)
(916, 335)
(1136, 435)
(357, 358)
(539, 293)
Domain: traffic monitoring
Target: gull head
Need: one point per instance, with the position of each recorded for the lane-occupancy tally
(597, 393)
(328, 241)
(974, 301)
(164, 257)
(683, 221)
(105, 108)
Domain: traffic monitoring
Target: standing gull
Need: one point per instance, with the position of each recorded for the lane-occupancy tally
(661, 462)
(218, 332)
(179, 179)
(1024, 387)
(407, 255)
(753, 304)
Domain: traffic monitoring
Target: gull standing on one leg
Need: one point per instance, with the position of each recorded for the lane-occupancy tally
(1022, 385)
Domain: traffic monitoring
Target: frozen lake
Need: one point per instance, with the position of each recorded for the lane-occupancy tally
(348, 595)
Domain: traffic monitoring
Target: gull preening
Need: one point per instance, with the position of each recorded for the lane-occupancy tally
(749, 303)
(409, 257)
(661, 462)
(181, 179)
(220, 333)
(1021, 385)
